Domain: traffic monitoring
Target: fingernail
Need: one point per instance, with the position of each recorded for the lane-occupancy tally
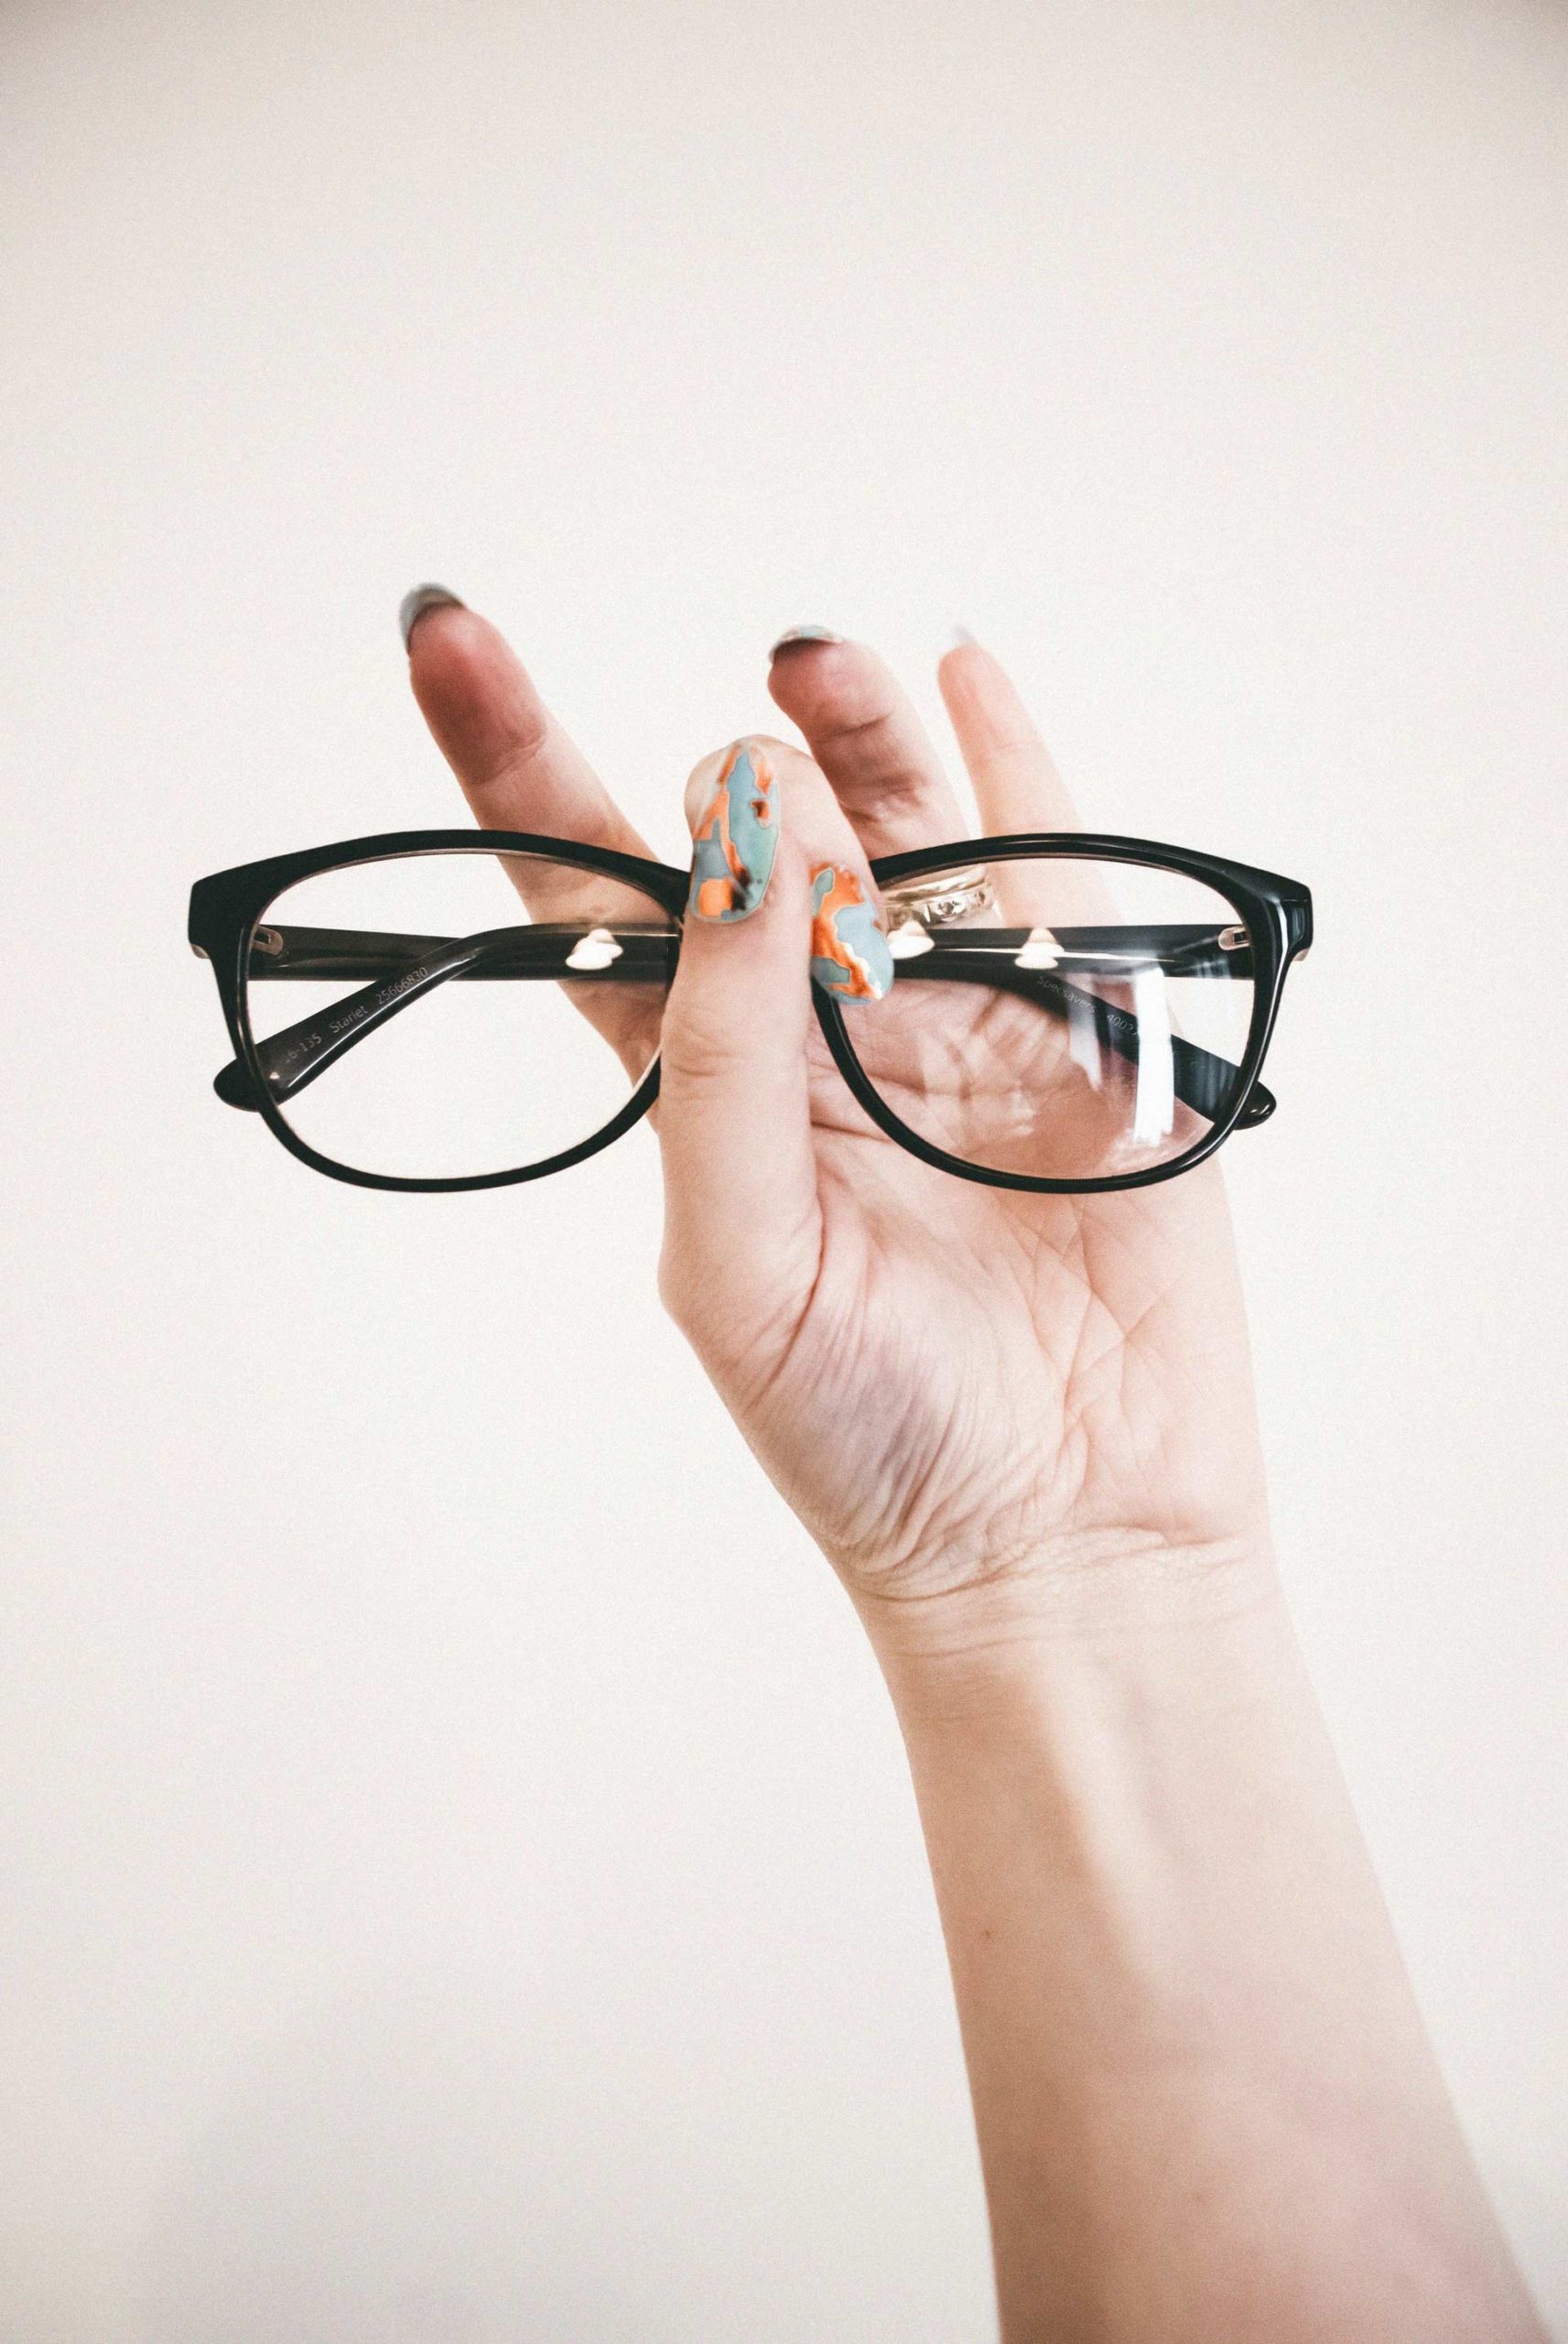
(962, 639)
(734, 817)
(420, 599)
(849, 956)
(805, 635)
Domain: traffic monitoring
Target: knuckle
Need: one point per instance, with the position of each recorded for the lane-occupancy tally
(872, 755)
(897, 785)
(864, 731)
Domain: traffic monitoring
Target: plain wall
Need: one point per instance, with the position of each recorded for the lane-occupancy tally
(460, 1881)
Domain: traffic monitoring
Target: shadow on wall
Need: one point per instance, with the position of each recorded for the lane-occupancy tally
(395, 2168)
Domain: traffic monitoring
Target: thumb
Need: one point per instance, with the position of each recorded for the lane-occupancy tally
(777, 876)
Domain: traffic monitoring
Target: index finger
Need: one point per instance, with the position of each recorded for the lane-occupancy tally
(520, 770)
(518, 767)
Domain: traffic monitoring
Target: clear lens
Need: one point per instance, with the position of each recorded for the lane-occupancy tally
(437, 1016)
(1059, 1017)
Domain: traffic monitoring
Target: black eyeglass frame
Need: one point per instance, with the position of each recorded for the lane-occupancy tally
(226, 909)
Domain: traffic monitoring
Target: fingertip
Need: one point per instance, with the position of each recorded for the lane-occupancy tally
(796, 638)
(418, 601)
(803, 661)
(962, 654)
(979, 692)
(453, 648)
(703, 779)
(473, 692)
(812, 681)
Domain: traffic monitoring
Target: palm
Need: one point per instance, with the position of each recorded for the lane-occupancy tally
(986, 1375)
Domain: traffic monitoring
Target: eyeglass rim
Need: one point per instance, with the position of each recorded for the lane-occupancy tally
(226, 906)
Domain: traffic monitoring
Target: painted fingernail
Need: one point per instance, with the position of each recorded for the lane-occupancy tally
(734, 817)
(805, 635)
(963, 640)
(420, 599)
(849, 956)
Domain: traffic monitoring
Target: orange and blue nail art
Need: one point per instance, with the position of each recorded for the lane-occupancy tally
(849, 956)
(735, 836)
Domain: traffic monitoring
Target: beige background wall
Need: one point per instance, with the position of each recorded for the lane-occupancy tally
(460, 1882)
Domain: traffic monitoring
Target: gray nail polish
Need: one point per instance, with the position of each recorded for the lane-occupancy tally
(805, 635)
(420, 599)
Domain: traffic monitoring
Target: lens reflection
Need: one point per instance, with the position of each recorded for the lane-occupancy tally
(1060, 1017)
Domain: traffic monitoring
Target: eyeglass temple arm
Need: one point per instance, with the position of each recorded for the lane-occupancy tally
(402, 968)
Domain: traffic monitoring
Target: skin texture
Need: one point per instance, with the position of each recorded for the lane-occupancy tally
(1022, 1429)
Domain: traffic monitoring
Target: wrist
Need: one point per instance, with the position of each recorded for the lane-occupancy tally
(1116, 1600)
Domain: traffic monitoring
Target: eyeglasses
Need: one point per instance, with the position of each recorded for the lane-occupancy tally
(459, 1009)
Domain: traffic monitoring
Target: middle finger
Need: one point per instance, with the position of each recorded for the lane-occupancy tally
(865, 735)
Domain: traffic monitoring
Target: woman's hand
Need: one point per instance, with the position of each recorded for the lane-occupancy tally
(956, 1388)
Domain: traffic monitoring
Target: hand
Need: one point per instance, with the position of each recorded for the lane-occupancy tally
(964, 1392)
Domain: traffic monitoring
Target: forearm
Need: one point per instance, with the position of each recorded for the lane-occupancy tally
(1205, 2104)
